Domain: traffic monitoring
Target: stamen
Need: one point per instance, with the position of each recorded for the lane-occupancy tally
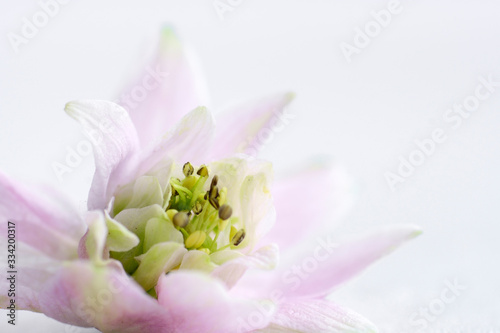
(238, 237)
(225, 212)
(187, 169)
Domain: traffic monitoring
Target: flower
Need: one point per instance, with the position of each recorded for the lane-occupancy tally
(177, 237)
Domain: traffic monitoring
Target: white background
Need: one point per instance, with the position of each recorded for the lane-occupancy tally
(365, 114)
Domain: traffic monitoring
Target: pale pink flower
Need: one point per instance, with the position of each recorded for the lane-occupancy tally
(134, 263)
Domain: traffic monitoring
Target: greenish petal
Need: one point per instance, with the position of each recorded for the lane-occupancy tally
(135, 220)
(119, 239)
(197, 260)
(160, 259)
(160, 230)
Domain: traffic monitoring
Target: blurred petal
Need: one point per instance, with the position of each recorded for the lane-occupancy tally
(327, 265)
(247, 128)
(318, 271)
(114, 147)
(196, 303)
(44, 220)
(323, 316)
(32, 272)
(305, 199)
(188, 141)
(168, 89)
(100, 296)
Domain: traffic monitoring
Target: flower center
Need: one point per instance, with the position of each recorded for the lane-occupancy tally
(202, 217)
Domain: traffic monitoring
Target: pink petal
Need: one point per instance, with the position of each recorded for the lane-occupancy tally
(197, 303)
(246, 129)
(317, 316)
(115, 142)
(103, 297)
(188, 141)
(169, 88)
(44, 220)
(317, 271)
(32, 272)
(305, 200)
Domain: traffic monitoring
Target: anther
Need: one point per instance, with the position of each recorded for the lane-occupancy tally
(225, 212)
(238, 237)
(215, 180)
(181, 219)
(187, 169)
(203, 171)
(197, 208)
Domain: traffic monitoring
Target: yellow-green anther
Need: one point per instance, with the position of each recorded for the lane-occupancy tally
(197, 208)
(238, 237)
(171, 213)
(181, 219)
(195, 240)
(225, 212)
(187, 169)
(203, 171)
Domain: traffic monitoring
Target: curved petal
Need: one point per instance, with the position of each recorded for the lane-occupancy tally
(319, 270)
(104, 297)
(197, 303)
(305, 199)
(169, 88)
(323, 316)
(188, 141)
(247, 128)
(44, 220)
(115, 142)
